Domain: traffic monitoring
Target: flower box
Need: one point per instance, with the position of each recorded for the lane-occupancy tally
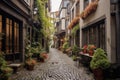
(89, 9)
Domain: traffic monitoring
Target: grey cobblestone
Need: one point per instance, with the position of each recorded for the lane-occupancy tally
(58, 67)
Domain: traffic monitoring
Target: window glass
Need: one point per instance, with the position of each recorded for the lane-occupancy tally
(95, 34)
(77, 9)
(16, 37)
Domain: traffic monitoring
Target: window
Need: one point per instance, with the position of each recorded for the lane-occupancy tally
(77, 9)
(0, 31)
(95, 34)
(72, 13)
(86, 3)
(12, 36)
(16, 37)
(8, 35)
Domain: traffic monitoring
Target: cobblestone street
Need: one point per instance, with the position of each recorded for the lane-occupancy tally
(58, 67)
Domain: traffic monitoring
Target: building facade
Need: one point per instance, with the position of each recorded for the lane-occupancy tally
(98, 23)
(98, 27)
(61, 25)
(73, 25)
(15, 23)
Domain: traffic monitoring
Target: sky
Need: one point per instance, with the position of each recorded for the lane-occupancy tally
(55, 5)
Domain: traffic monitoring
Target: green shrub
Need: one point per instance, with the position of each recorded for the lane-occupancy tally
(75, 49)
(65, 45)
(5, 71)
(99, 60)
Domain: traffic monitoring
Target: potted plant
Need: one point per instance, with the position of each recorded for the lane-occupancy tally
(65, 46)
(5, 71)
(84, 49)
(30, 63)
(75, 49)
(98, 63)
(43, 55)
(90, 49)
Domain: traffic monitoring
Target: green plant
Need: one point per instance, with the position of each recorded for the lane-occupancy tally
(75, 49)
(30, 63)
(74, 57)
(75, 28)
(99, 60)
(43, 54)
(28, 51)
(5, 71)
(65, 46)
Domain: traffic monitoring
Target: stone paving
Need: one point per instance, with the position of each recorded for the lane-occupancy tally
(58, 67)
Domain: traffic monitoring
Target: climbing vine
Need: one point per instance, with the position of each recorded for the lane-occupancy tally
(74, 30)
(43, 18)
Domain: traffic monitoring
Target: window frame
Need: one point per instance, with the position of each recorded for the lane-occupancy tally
(97, 32)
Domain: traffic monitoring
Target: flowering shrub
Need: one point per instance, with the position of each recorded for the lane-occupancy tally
(30, 62)
(44, 55)
(85, 49)
(89, 49)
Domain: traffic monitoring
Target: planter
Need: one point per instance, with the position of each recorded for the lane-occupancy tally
(30, 63)
(41, 60)
(89, 9)
(98, 74)
(30, 67)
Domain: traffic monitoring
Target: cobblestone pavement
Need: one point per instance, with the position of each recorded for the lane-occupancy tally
(58, 67)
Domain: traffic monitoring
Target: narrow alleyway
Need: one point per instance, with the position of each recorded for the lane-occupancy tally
(58, 67)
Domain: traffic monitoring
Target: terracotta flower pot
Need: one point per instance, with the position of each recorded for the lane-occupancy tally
(41, 60)
(30, 67)
(98, 74)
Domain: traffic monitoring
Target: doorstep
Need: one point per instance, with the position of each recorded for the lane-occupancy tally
(15, 66)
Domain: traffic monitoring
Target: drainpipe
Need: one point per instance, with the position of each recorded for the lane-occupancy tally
(118, 31)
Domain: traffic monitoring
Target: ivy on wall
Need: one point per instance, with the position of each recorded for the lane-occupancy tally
(75, 28)
(43, 18)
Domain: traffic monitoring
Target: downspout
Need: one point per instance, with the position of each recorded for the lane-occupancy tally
(118, 31)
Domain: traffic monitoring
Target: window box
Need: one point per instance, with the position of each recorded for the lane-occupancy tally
(89, 9)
